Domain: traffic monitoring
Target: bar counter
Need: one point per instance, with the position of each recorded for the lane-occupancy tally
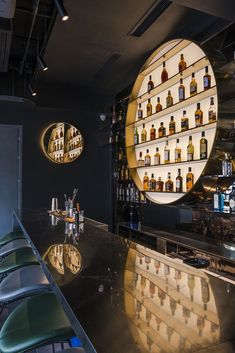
(121, 296)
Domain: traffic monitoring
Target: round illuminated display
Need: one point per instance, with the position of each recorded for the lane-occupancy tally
(173, 104)
(62, 143)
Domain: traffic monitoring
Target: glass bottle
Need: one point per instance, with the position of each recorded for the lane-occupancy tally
(164, 75)
(193, 86)
(206, 79)
(152, 183)
(152, 133)
(61, 132)
(232, 199)
(172, 126)
(147, 158)
(177, 152)
(166, 154)
(227, 165)
(56, 135)
(232, 131)
(157, 157)
(203, 146)
(150, 83)
(140, 162)
(198, 116)
(182, 64)
(226, 202)
(184, 121)
(143, 134)
(169, 100)
(140, 112)
(149, 108)
(179, 182)
(159, 185)
(158, 106)
(189, 179)
(146, 181)
(212, 111)
(136, 137)
(181, 91)
(190, 150)
(218, 200)
(161, 130)
(169, 183)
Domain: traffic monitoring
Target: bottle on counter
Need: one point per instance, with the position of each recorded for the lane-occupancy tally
(140, 162)
(169, 100)
(149, 108)
(181, 91)
(158, 106)
(189, 179)
(147, 158)
(177, 152)
(146, 181)
(179, 182)
(212, 111)
(172, 126)
(182, 64)
(206, 79)
(161, 130)
(157, 157)
(169, 183)
(198, 116)
(152, 133)
(190, 150)
(184, 122)
(143, 134)
(150, 83)
(227, 169)
(193, 86)
(136, 137)
(166, 153)
(218, 200)
(140, 112)
(164, 74)
(152, 183)
(203, 146)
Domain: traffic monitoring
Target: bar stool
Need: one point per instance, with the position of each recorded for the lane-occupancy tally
(13, 246)
(10, 237)
(35, 322)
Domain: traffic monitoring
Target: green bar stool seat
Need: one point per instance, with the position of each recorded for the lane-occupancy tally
(10, 237)
(35, 322)
(13, 246)
(17, 259)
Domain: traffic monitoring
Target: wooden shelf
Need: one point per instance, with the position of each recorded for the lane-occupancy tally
(195, 161)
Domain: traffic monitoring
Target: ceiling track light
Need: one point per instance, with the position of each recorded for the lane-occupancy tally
(32, 90)
(42, 64)
(60, 8)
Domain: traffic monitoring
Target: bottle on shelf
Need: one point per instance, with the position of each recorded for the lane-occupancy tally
(172, 126)
(179, 182)
(140, 112)
(159, 184)
(182, 64)
(56, 135)
(140, 162)
(190, 150)
(166, 154)
(169, 100)
(158, 106)
(114, 118)
(206, 79)
(184, 122)
(189, 179)
(147, 158)
(122, 176)
(181, 91)
(149, 108)
(177, 152)
(157, 157)
(152, 133)
(152, 183)
(150, 83)
(226, 202)
(198, 115)
(127, 174)
(61, 132)
(218, 200)
(161, 130)
(203, 146)
(193, 86)
(136, 137)
(169, 183)
(227, 168)
(212, 111)
(146, 181)
(164, 74)
(232, 199)
(143, 134)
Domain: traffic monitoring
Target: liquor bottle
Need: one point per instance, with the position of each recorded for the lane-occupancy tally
(182, 64)
(166, 154)
(157, 157)
(169, 184)
(159, 185)
(212, 111)
(161, 130)
(177, 152)
(218, 200)
(136, 137)
(179, 182)
(61, 132)
(150, 83)
(56, 135)
(152, 133)
(232, 131)
(206, 79)
(226, 202)
(146, 181)
(184, 121)
(181, 91)
(172, 126)
(190, 150)
(140, 112)
(74, 133)
(189, 179)
(158, 106)
(198, 116)
(140, 162)
(164, 75)
(152, 183)
(232, 199)
(147, 158)
(203, 146)
(122, 176)
(127, 174)
(149, 108)
(169, 100)
(193, 86)
(227, 169)
(143, 134)
(114, 118)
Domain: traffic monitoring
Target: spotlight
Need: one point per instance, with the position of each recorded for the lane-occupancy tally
(32, 90)
(60, 8)
(42, 64)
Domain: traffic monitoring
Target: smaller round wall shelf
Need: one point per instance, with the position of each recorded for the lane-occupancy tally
(62, 143)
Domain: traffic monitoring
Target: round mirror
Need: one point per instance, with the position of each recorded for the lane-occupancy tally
(62, 143)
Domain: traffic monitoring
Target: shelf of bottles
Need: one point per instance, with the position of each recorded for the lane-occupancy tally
(171, 121)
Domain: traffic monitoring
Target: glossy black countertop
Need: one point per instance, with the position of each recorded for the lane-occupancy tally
(129, 298)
